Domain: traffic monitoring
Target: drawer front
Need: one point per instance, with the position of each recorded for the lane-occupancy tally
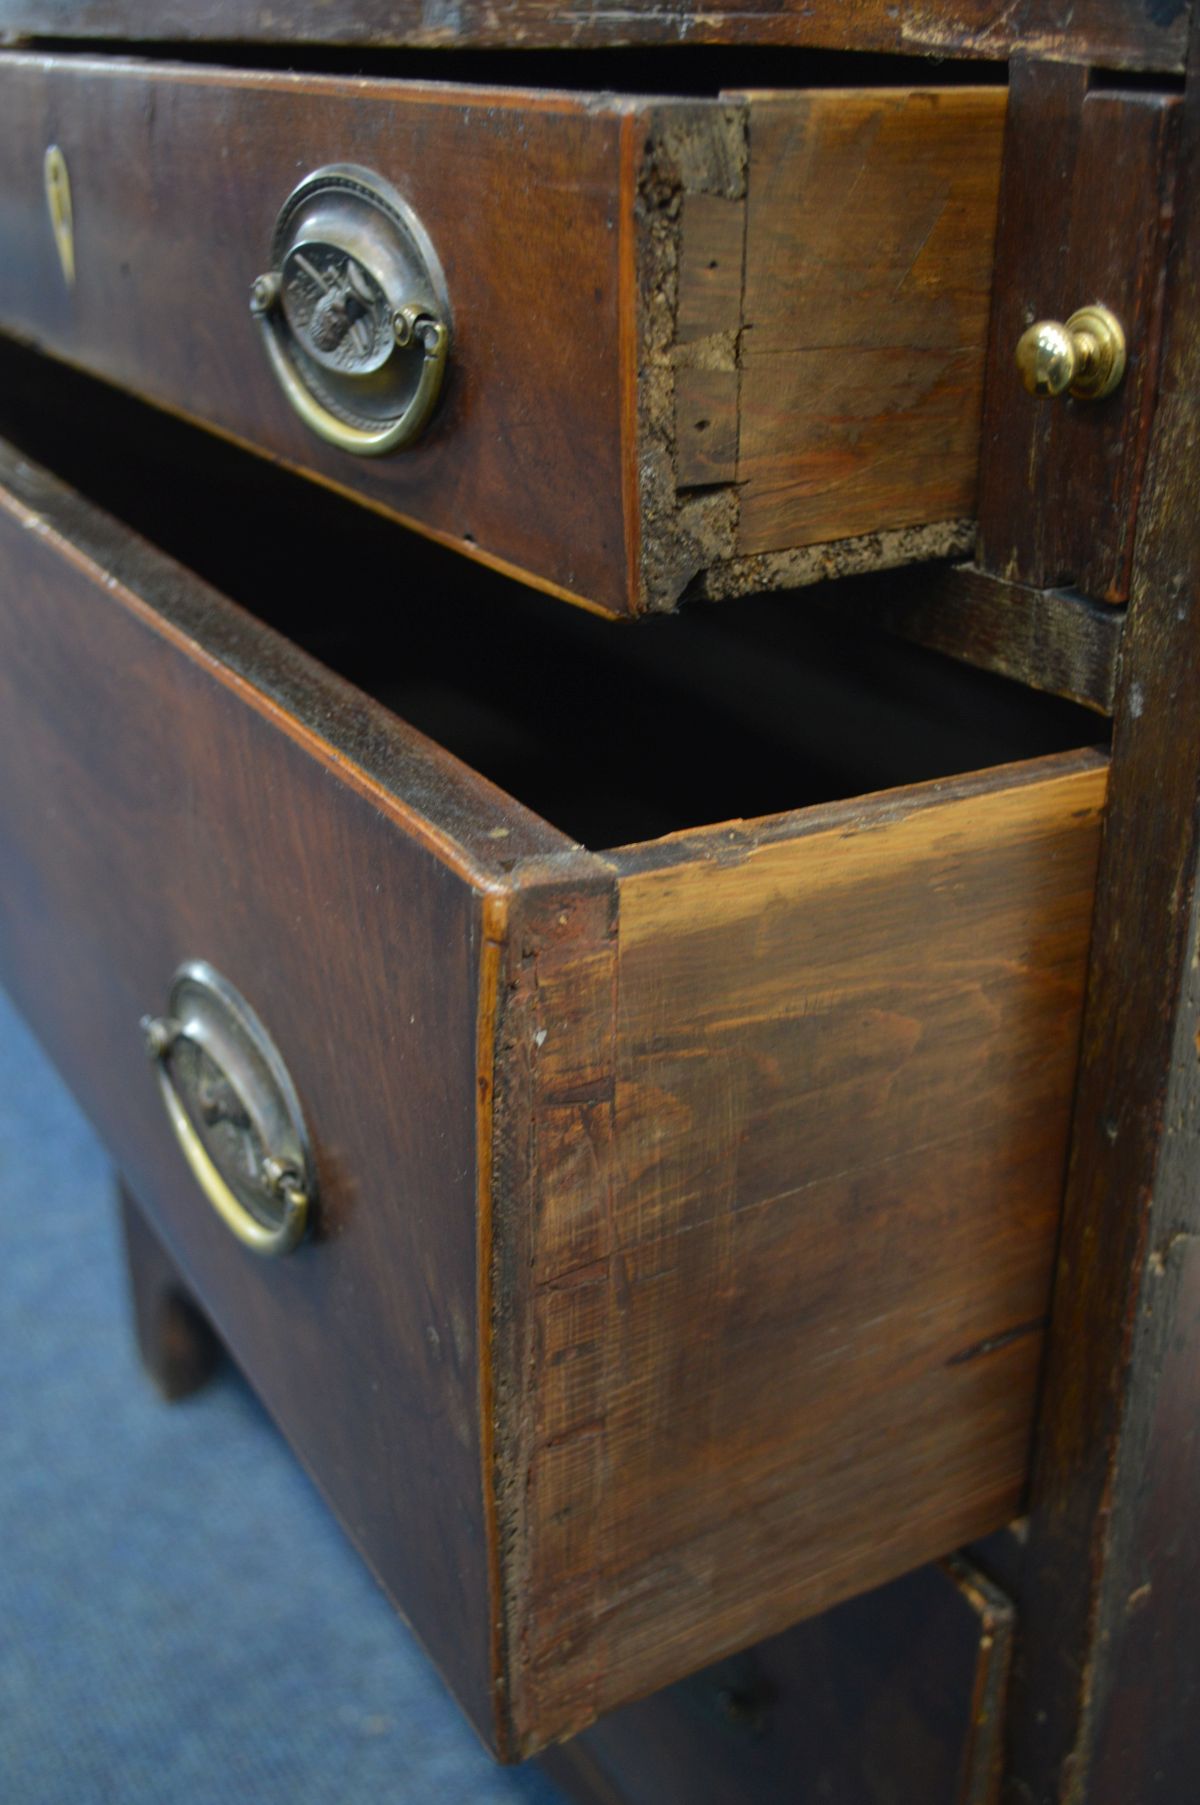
(789, 1207)
(716, 345)
(686, 1213)
(176, 179)
(157, 807)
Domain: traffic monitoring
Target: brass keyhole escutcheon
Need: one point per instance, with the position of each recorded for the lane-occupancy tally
(353, 311)
(57, 181)
(1083, 357)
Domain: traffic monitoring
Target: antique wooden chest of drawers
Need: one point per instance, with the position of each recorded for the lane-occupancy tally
(652, 1049)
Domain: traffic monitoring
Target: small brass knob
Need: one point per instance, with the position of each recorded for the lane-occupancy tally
(1085, 357)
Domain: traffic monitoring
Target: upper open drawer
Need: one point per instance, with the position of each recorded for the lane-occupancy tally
(723, 345)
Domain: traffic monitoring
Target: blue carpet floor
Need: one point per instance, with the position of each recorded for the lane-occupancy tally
(154, 1644)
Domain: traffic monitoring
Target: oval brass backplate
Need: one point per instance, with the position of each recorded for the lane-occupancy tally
(354, 312)
(234, 1109)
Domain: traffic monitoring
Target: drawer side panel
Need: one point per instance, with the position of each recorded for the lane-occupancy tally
(796, 1351)
(871, 221)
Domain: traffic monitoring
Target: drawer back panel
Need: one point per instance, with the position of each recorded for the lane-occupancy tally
(790, 1226)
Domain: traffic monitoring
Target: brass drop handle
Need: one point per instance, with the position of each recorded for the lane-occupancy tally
(1084, 357)
(353, 311)
(233, 1110)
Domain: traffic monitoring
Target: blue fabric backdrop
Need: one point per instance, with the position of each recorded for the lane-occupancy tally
(181, 1621)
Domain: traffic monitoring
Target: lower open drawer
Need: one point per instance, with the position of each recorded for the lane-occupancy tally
(685, 1212)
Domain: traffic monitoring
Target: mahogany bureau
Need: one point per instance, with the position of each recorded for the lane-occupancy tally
(683, 1120)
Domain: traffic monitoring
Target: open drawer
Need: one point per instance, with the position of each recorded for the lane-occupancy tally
(719, 343)
(684, 1212)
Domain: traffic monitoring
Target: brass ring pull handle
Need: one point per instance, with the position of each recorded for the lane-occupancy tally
(1084, 357)
(353, 311)
(233, 1109)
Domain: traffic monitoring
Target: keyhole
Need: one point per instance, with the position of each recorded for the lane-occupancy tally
(58, 204)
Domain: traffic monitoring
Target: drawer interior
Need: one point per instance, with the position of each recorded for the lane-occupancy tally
(613, 732)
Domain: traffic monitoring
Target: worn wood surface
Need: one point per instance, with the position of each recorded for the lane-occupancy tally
(175, 1340)
(1109, 1700)
(1086, 203)
(870, 225)
(1050, 639)
(1133, 33)
(160, 803)
(666, 409)
(895, 1698)
(800, 1152)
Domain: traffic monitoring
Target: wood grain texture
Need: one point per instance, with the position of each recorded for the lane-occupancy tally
(157, 805)
(870, 223)
(1050, 639)
(1109, 1694)
(1125, 33)
(802, 1189)
(895, 1698)
(175, 1340)
(1087, 199)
